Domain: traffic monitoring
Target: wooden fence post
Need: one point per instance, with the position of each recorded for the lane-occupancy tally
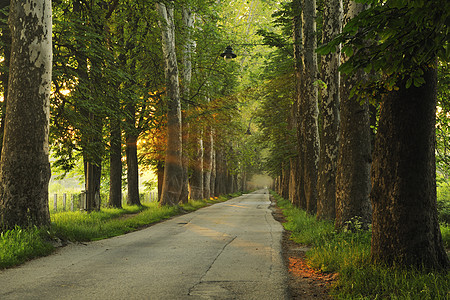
(55, 202)
(64, 201)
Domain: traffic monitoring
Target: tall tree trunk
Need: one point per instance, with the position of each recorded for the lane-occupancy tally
(188, 22)
(298, 50)
(285, 181)
(196, 180)
(329, 135)
(5, 38)
(219, 188)
(207, 162)
(353, 166)
(25, 167)
(229, 182)
(115, 162)
(293, 160)
(160, 177)
(131, 155)
(173, 171)
(309, 106)
(92, 178)
(213, 171)
(405, 227)
(132, 170)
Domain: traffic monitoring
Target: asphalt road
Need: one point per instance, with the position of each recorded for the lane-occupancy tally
(231, 250)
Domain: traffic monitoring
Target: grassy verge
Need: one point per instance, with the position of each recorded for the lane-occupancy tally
(19, 245)
(348, 254)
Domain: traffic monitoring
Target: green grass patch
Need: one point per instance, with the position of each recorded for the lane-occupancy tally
(19, 245)
(348, 254)
(82, 226)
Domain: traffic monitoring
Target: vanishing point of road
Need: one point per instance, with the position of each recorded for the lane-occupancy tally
(230, 250)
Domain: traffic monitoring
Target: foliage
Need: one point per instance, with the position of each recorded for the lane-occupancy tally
(273, 117)
(445, 231)
(19, 245)
(443, 199)
(443, 120)
(395, 38)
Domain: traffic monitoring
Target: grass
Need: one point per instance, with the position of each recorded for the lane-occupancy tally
(348, 254)
(19, 245)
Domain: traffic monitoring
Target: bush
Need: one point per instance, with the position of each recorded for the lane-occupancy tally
(443, 200)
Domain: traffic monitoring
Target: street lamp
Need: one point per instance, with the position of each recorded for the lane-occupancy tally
(228, 54)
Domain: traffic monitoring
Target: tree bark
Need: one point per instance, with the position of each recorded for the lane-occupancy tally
(219, 188)
(196, 180)
(115, 163)
(173, 171)
(132, 170)
(353, 166)
(188, 22)
(309, 106)
(213, 171)
(25, 167)
(5, 38)
(92, 180)
(300, 201)
(285, 180)
(207, 162)
(160, 176)
(405, 227)
(329, 135)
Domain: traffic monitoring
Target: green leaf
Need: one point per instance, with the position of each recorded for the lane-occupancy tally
(408, 82)
(418, 81)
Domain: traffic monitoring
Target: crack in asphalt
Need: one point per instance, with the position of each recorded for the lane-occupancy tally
(212, 263)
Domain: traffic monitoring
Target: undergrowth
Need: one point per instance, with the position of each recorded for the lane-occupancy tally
(348, 255)
(21, 244)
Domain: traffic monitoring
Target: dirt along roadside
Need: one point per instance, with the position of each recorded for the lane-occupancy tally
(304, 283)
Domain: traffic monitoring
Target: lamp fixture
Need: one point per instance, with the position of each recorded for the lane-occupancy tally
(228, 54)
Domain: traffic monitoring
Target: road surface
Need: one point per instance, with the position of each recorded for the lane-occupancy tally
(229, 250)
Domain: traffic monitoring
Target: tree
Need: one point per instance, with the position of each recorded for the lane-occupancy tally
(196, 179)
(188, 25)
(354, 158)
(309, 111)
(329, 135)
(25, 167)
(408, 39)
(173, 167)
(404, 193)
(85, 82)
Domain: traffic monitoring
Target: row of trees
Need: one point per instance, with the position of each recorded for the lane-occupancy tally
(368, 157)
(136, 77)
